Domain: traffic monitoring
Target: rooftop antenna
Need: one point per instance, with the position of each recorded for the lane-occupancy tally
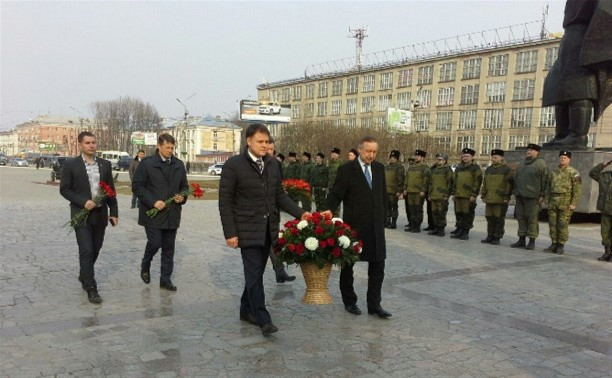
(544, 14)
(359, 34)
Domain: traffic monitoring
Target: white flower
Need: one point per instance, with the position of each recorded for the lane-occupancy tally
(334, 220)
(311, 243)
(344, 241)
(302, 225)
(280, 235)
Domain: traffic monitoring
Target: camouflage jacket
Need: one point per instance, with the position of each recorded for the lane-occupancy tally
(417, 178)
(333, 168)
(468, 179)
(530, 178)
(565, 183)
(442, 179)
(319, 176)
(305, 170)
(292, 171)
(394, 174)
(497, 184)
(604, 201)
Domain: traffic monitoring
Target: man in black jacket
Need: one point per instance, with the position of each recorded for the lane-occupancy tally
(361, 186)
(79, 185)
(158, 178)
(250, 198)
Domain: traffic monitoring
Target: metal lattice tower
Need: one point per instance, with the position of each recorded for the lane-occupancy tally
(359, 34)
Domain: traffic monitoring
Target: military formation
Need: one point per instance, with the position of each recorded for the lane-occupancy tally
(532, 185)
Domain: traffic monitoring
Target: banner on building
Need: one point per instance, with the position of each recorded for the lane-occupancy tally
(399, 119)
(146, 139)
(269, 112)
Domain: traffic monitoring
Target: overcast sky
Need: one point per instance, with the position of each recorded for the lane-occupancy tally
(56, 56)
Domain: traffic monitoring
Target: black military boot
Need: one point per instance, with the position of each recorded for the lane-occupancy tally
(489, 239)
(393, 225)
(606, 256)
(440, 231)
(455, 231)
(458, 234)
(531, 244)
(520, 243)
(579, 123)
(434, 231)
(465, 235)
(560, 249)
(495, 241)
(552, 248)
(429, 228)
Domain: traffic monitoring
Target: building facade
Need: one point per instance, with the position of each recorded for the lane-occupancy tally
(51, 135)
(483, 99)
(9, 142)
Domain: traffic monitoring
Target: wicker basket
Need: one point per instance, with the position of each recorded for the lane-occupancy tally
(316, 283)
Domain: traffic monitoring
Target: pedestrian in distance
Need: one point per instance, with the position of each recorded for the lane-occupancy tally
(131, 170)
(440, 190)
(251, 197)
(468, 178)
(496, 192)
(157, 178)
(418, 177)
(81, 177)
(352, 154)
(602, 174)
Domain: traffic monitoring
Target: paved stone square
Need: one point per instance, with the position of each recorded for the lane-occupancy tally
(460, 308)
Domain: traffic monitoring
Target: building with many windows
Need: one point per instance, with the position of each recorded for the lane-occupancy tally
(482, 98)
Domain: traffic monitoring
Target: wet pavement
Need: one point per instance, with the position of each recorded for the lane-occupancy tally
(460, 308)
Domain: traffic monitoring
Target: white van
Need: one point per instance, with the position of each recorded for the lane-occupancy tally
(112, 156)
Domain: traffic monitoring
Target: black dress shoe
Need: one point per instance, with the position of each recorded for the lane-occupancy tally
(380, 312)
(93, 296)
(284, 279)
(146, 276)
(353, 309)
(495, 241)
(248, 318)
(429, 228)
(167, 285)
(268, 329)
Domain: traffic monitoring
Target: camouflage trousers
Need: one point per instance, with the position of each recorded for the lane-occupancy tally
(559, 215)
(465, 211)
(526, 212)
(495, 213)
(414, 206)
(306, 203)
(439, 209)
(319, 198)
(392, 209)
(606, 229)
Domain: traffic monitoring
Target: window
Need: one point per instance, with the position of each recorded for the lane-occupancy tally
(322, 109)
(336, 122)
(368, 83)
(404, 78)
(425, 75)
(309, 110)
(443, 143)
(496, 92)
(310, 91)
(352, 84)
(469, 94)
(337, 88)
(323, 89)
(545, 138)
(215, 146)
(521, 117)
(351, 122)
(547, 117)
(493, 119)
(446, 96)
(523, 89)
(274, 96)
(285, 94)
(384, 102)
(386, 80)
(296, 111)
(424, 98)
(490, 142)
(517, 141)
(351, 106)
(498, 65)
(471, 68)
(467, 120)
(526, 61)
(380, 121)
(403, 100)
(465, 141)
(448, 71)
(444, 121)
(336, 107)
(422, 122)
(366, 122)
(367, 104)
(297, 92)
(551, 56)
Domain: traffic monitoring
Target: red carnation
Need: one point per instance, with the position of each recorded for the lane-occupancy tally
(328, 216)
(354, 233)
(339, 232)
(295, 231)
(323, 244)
(316, 221)
(316, 215)
(338, 224)
(360, 243)
(336, 252)
(288, 224)
(328, 222)
(319, 230)
(299, 249)
(356, 248)
(282, 241)
(346, 226)
(291, 247)
(331, 242)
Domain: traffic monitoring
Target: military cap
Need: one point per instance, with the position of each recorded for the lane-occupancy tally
(321, 155)
(335, 150)
(443, 156)
(395, 154)
(468, 151)
(292, 154)
(354, 151)
(497, 152)
(565, 153)
(420, 153)
(307, 154)
(533, 146)
(281, 156)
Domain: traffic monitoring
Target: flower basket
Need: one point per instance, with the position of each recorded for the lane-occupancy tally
(296, 188)
(316, 283)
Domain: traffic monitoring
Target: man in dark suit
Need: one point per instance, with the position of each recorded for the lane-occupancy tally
(361, 186)
(156, 179)
(250, 199)
(79, 185)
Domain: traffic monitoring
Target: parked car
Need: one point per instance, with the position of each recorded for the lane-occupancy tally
(215, 169)
(3, 160)
(123, 164)
(19, 163)
(270, 109)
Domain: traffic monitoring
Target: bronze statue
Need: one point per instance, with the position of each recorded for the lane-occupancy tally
(580, 81)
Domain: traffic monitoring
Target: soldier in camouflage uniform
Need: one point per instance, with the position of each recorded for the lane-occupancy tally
(319, 179)
(529, 189)
(442, 179)
(417, 182)
(334, 163)
(602, 173)
(496, 192)
(394, 174)
(562, 195)
(430, 219)
(468, 178)
(292, 171)
(305, 171)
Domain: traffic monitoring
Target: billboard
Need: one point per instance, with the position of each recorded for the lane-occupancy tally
(399, 119)
(269, 112)
(147, 139)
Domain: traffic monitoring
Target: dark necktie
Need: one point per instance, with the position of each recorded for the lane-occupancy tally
(259, 163)
(368, 176)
